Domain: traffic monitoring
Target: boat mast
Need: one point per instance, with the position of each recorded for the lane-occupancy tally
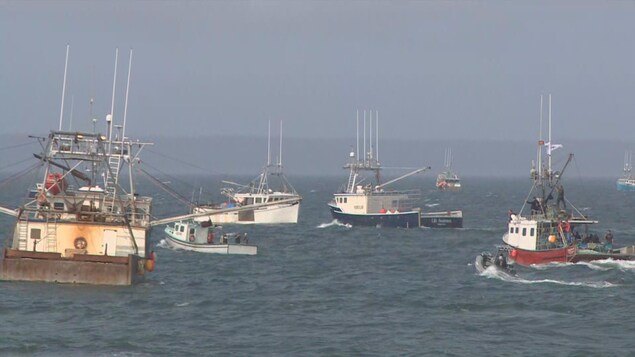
(109, 117)
(377, 138)
(550, 143)
(123, 132)
(64, 86)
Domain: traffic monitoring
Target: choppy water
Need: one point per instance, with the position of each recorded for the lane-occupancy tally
(320, 288)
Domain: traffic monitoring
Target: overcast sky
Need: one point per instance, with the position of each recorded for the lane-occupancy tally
(437, 71)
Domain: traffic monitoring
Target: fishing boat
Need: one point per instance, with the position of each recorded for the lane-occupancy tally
(82, 228)
(366, 201)
(283, 201)
(201, 237)
(447, 179)
(627, 182)
(552, 231)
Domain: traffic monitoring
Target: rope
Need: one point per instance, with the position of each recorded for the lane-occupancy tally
(20, 174)
(16, 146)
(182, 162)
(166, 188)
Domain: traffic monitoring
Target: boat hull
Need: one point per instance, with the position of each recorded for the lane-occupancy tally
(626, 185)
(448, 219)
(240, 249)
(397, 220)
(78, 269)
(569, 254)
(276, 214)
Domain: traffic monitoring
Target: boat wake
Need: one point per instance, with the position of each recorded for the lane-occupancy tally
(600, 265)
(335, 223)
(494, 273)
(163, 244)
(431, 204)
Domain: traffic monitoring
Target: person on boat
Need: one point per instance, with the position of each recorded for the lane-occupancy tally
(609, 240)
(500, 260)
(237, 240)
(223, 239)
(536, 206)
(510, 213)
(560, 197)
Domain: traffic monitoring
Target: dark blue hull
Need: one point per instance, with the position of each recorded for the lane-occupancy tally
(398, 220)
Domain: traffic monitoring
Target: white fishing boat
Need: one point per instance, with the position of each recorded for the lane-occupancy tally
(271, 187)
(627, 182)
(82, 228)
(365, 201)
(202, 237)
(447, 179)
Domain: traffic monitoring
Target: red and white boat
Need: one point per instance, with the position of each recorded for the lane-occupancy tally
(553, 231)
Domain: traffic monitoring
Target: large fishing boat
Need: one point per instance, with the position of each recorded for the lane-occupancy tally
(76, 227)
(552, 231)
(270, 205)
(447, 179)
(627, 182)
(365, 201)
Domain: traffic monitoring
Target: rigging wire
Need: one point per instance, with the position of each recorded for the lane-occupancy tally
(165, 187)
(16, 146)
(182, 162)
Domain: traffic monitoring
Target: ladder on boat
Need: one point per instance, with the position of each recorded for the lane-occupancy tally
(51, 235)
(112, 179)
(23, 229)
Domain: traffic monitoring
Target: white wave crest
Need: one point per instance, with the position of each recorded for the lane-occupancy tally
(335, 223)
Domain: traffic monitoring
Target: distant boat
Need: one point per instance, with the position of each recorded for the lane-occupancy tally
(550, 233)
(283, 201)
(201, 237)
(448, 180)
(366, 202)
(627, 182)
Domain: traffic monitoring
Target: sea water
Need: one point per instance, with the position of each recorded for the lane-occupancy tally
(322, 288)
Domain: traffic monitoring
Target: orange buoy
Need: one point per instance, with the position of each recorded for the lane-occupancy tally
(552, 238)
(514, 253)
(383, 210)
(149, 265)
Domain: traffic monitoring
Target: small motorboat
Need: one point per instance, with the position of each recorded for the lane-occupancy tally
(200, 237)
(498, 261)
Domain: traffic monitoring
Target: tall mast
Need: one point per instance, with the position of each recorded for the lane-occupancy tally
(280, 158)
(125, 110)
(269, 144)
(377, 133)
(109, 118)
(64, 86)
(357, 136)
(540, 142)
(550, 144)
(370, 136)
(364, 153)
(70, 124)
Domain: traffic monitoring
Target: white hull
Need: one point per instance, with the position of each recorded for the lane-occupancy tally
(276, 214)
(241, 249)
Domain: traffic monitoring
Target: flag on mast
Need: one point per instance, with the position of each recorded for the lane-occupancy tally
(551, 147)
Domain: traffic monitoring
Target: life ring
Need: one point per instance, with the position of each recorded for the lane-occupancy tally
(191, 237)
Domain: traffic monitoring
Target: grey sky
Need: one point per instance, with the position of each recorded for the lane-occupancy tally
(435, 70)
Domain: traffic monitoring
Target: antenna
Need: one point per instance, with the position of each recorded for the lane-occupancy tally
(112, 106)
(370, 137)
(550, 144)
(64, 86)
(540, 141)
(357, 135)
(280, 158)
(364, 136)
(125, 106)
(377, 133)
(269, 143)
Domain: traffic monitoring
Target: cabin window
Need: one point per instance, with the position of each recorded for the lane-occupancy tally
(511, 230)
(516, 230)
(345, 199)
(531, 232)
(524, 232)
(58, 206)
(36, 233)
(258, 200)
(182, 229)
(192, 231)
